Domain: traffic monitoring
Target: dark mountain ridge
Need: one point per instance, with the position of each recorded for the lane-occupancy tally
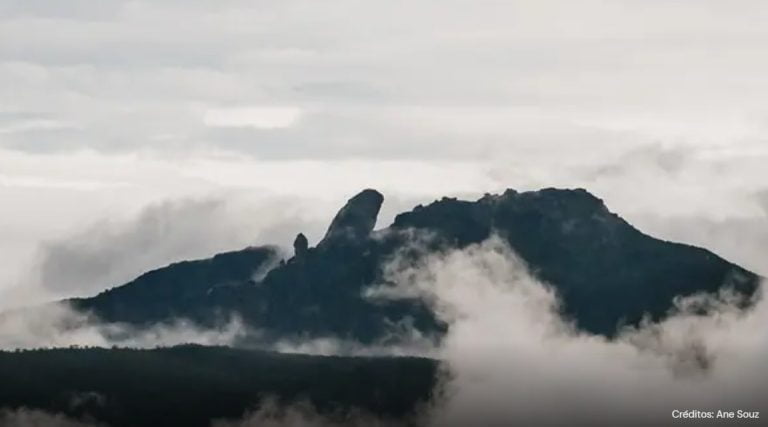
(606, 272)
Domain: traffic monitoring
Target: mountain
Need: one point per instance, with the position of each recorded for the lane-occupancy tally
(607, 272)
(192, 385)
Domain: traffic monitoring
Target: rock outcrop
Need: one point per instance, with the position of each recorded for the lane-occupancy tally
(300, 246)
(355, 221)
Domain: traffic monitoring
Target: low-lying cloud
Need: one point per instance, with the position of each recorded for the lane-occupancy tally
(273, 414)
(59, 325)
(511, 358)
(113, 251)
(25, 417)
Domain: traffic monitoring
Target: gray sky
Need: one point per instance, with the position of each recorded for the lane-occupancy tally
(117, 116)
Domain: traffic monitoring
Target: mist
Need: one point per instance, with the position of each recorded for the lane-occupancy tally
(34, 418)
(59, 325)
(508, 357)
(273, 414)
(98, 254)
(511, 358)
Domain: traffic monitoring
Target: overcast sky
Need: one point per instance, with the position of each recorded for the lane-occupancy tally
(135, 133)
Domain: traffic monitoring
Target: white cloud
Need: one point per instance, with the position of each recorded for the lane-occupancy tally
(302, 414)
(35, 124)
(35, 418)
(512, 359)
(658, 69)
(58, 325)
(509, 357)
(257, 117)
(46, 182)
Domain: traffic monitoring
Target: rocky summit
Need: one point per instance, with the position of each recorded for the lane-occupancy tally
(355, 221)
(606, 272)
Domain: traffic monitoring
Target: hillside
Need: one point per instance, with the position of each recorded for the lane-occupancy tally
(607, 272)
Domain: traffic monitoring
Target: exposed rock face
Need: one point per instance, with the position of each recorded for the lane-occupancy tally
(356, 219)
(300, 246)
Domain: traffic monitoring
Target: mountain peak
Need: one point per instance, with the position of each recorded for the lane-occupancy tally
(606, 272)
(357, 218)
(557, 202)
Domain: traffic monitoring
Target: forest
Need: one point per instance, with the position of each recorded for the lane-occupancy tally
(191, 385)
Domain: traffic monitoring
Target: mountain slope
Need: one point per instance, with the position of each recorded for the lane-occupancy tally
(607, 272)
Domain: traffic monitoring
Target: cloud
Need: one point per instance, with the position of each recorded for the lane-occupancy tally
(401, 340)
(508, 355)
(741, 237)
(110, 253)
(256, 117)
(191, 206)
(58, 325)
(24, 417)
(743, 240)
(565, 71)
(512, 359)
(648, 158)
(273, 414)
